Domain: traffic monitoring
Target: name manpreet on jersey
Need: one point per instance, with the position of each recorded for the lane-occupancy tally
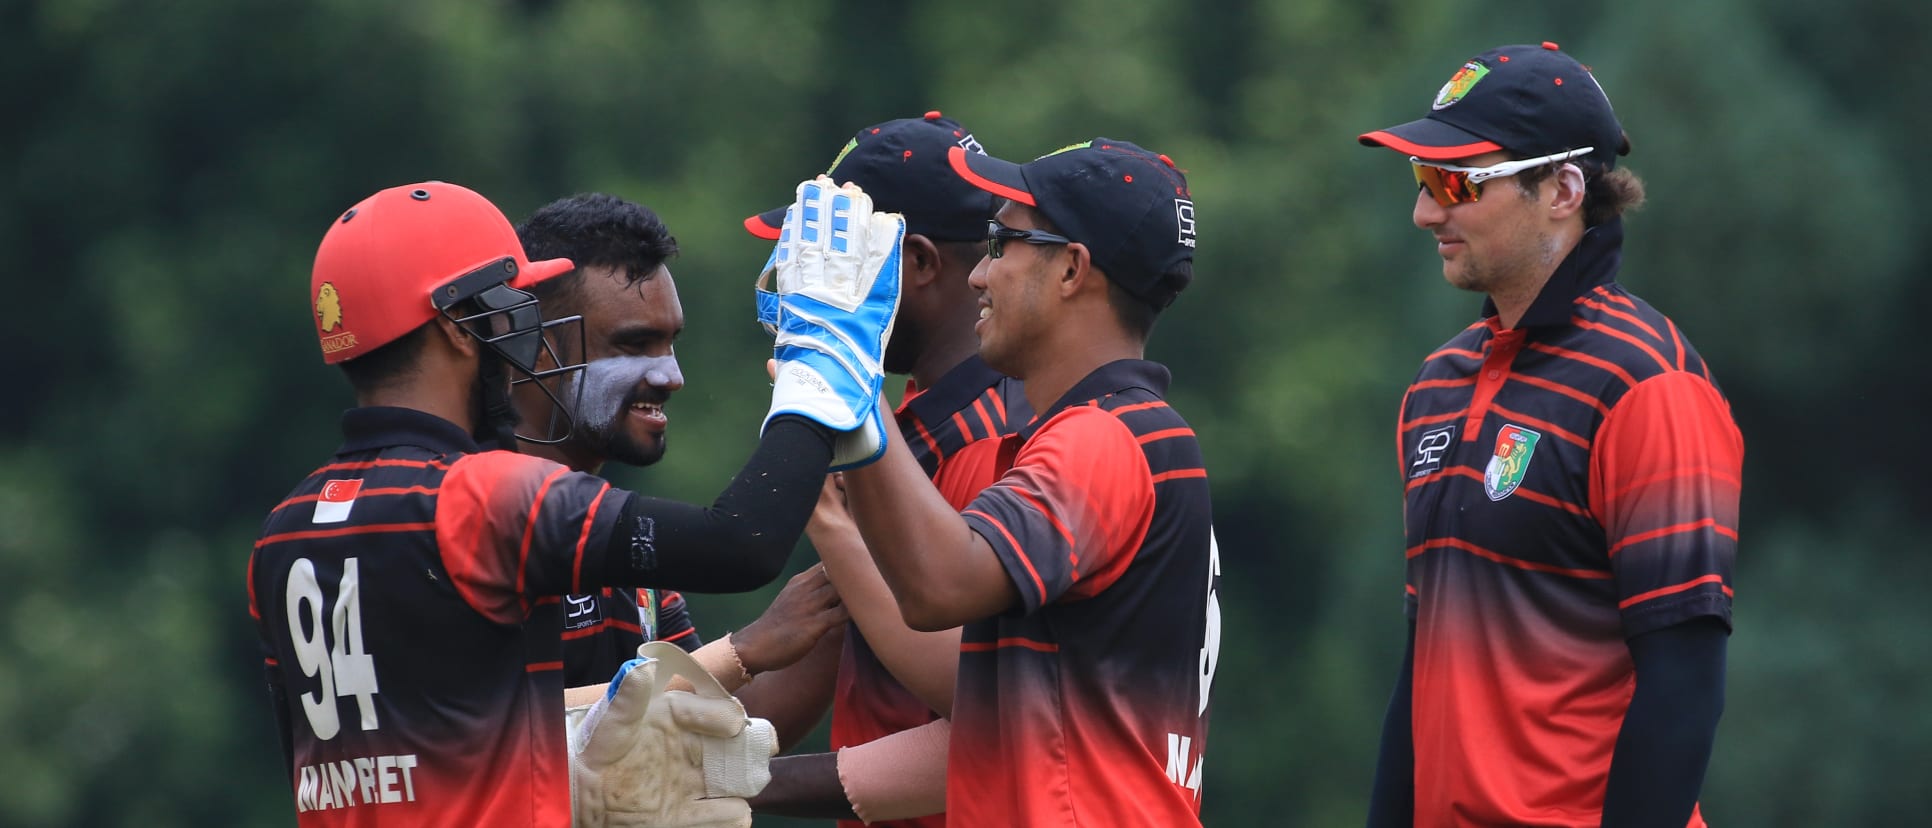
(1087, 704)
(1571, 483)
(395, 591)
(944, 426)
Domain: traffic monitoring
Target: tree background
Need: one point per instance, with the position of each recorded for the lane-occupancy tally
(171, 167)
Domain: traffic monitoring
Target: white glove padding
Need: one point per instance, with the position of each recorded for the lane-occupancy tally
(837, 267)
(643, 756)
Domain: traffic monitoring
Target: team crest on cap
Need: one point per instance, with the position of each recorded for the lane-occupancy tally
(1067, 148)
(328, 307)
(1184, 216)
(843, 151)
(328, 317)
(1515, 446)
(1459, 84)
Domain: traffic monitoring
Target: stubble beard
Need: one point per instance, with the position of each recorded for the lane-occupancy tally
(623, 449)
(1536, 256)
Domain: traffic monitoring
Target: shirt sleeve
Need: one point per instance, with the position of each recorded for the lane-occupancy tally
(511, 527)
(967, 472)
(1410, 602)
(1664, 481)
(1068, 517)
(673, 619)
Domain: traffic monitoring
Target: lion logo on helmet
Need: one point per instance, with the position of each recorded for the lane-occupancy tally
(328, 307)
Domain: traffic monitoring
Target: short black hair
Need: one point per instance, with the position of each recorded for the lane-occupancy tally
(388, 365)
(594, 229)
(1134, 313)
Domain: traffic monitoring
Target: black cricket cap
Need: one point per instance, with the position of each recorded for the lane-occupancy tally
(1528, 100)
(1130, 207)
(902, 165)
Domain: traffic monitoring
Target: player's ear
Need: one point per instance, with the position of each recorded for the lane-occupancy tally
(1078, 271)
(1567, 191)
(452, 334)
(921, 260)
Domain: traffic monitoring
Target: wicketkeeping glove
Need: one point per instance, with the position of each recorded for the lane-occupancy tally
(837, 294)
(643, 756)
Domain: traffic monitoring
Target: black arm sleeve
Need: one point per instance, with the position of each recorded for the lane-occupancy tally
(1392, 799)
(741, 542)
(1665, 744)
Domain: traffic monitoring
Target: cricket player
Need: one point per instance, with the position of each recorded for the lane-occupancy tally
(1572, 480)
(1085, 577)
(623, 291)
(393, 588)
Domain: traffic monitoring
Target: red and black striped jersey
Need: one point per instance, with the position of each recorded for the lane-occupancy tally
(603, 629)
(1087, 703)
(969, 404)
(1571, 482)
(414, 663)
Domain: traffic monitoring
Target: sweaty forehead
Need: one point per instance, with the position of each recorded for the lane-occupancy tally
(611, 300)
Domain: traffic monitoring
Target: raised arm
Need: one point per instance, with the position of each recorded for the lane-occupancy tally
(738, 543)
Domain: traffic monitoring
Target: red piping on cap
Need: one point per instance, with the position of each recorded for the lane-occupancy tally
(1432, 153)
(957, 156)
(757, 227)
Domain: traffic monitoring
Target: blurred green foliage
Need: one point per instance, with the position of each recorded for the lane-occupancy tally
(171, 167)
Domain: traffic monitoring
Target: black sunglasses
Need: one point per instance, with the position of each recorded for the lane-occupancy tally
(997, 235)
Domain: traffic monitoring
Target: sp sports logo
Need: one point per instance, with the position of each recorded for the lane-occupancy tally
(1430, 449)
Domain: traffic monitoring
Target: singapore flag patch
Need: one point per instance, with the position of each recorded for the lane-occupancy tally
(337, 498)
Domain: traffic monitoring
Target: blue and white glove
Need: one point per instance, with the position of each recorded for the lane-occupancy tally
(768, 298)
(837, 294)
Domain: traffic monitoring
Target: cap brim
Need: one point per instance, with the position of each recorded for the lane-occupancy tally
(766, 225)
(1431, 139)
(536, 272)
(1001, 178)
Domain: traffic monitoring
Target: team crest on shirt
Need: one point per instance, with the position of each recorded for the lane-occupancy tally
(1515, 447)
(647, 612)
